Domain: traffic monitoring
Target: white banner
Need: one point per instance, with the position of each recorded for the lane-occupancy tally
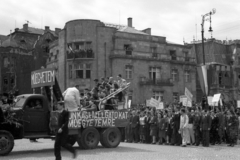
(181, 98)
(129, 103)
(186, 102)
(154, 102)
(148, 102)
(160, 106)
(216, 98)
(210, 103)
(238, 104)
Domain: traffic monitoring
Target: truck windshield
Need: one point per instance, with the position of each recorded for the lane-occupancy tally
(19, 103)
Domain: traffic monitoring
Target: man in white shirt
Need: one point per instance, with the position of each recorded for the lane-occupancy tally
(183, 127)
(72, 98)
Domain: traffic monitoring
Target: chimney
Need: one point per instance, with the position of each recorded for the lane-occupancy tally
(147, 30)
(16, 29)
(57, 30)
(25, 27)
(46, 28)
(129, 22)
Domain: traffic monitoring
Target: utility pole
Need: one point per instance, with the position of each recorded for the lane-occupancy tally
(210, 29)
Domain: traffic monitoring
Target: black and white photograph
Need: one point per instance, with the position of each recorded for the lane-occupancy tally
(120, 80)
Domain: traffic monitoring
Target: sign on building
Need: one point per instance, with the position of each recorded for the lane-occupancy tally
(43, 77)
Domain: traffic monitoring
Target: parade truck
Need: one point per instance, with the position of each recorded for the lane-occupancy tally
(33, 116)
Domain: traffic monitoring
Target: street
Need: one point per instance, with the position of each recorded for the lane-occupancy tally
(43, 149)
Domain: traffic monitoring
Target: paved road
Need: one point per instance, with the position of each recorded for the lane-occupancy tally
(43, 150)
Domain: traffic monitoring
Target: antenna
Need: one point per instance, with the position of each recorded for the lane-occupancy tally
(28, 22)
(196, 32)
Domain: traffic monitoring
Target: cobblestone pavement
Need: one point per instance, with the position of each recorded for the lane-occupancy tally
(43, 149)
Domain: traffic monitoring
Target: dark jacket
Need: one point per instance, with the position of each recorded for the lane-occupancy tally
(206, 122)
(197, 122)
(135, 121)
(176, 121)
(63, 121)
(221, 121)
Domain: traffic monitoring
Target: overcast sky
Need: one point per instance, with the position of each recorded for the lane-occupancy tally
(174, 19)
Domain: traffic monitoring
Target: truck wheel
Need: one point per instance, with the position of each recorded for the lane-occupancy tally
(111, 137)
(101, 139)
(6, 143)
(72, 139)
(90, 138)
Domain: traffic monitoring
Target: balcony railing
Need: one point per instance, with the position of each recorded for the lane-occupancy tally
(158, 82)
(80, 54)
(156, 56)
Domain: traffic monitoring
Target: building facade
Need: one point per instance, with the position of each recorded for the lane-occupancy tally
(223, 68)
(90, 49)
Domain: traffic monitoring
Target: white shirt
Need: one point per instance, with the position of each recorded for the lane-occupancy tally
(184, 121)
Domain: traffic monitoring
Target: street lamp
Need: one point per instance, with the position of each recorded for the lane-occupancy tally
(210, 28)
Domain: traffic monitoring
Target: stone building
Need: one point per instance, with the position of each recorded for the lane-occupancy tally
(155, 67)
(20, 54)
(223, 71)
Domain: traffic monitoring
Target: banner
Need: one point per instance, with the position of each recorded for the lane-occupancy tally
(216, 98)
(186, 102)
(148, 102)
(154, 102)
(181, 98)
(85, 119)
(238, 104)
(209, 98)
(202, 74)
(43, 77)
(129, 103)
(160, 106)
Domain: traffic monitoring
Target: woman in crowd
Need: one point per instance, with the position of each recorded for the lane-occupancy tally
(143, 127)
(232, 125)
(153, 126)
(162, 127)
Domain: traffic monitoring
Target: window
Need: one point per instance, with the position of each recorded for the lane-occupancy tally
(154, 73)
(5, 62)
(187, 76)
(220, 78)
(70, 72)
(173, 55)
(55, 57)
(154, 52)
(79, 70)
(79, 46)
(57, 51)
(88, 71)
(158, 95)
(82, 71)
(128, 49)
(174, 75)
(186, 57)
(128, 72)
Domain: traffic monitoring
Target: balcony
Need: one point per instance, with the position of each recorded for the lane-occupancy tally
(156, 82)
(154, 57)
(81, 54)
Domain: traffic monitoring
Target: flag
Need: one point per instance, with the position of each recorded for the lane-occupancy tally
(202, 73)
(71, 51)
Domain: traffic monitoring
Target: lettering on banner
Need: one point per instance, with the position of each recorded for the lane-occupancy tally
(95, 118)
(44, 77)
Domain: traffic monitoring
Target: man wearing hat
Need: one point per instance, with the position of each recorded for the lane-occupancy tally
(62, 133)
(72, 98)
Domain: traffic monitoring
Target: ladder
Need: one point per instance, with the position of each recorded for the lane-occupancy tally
(111, 95)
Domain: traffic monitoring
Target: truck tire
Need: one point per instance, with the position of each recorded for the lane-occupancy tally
(111, 137)
(72, 139)
(101, 139)
(90, 138)
(6, 143)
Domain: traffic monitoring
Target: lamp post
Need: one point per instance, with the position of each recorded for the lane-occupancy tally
(204, 98)
(210, 28)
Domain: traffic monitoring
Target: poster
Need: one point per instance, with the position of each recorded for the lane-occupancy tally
(154, 102)
(181, 98)
(160, 106)
(148, 102)
(238, 104)
(186, 102)
(216, 98)
(209, 98)
(129, 103)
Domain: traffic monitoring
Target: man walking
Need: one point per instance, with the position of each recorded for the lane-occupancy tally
(62, 133)
(72, 98)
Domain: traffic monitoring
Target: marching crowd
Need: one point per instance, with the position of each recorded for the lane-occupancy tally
(179, 125)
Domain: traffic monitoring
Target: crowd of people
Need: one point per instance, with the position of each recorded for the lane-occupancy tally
(89, 100)
(182, 126)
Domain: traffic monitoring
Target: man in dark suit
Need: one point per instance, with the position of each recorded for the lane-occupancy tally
(205, 128)
(135, 127)
(176, 137)
(62, 133)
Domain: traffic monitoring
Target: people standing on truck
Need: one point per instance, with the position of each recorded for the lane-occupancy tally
(121, 83)
(91, 106)
(62, 133)
(72, 98)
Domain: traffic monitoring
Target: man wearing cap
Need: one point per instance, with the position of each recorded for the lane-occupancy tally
(62, 133)
(72, 98)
